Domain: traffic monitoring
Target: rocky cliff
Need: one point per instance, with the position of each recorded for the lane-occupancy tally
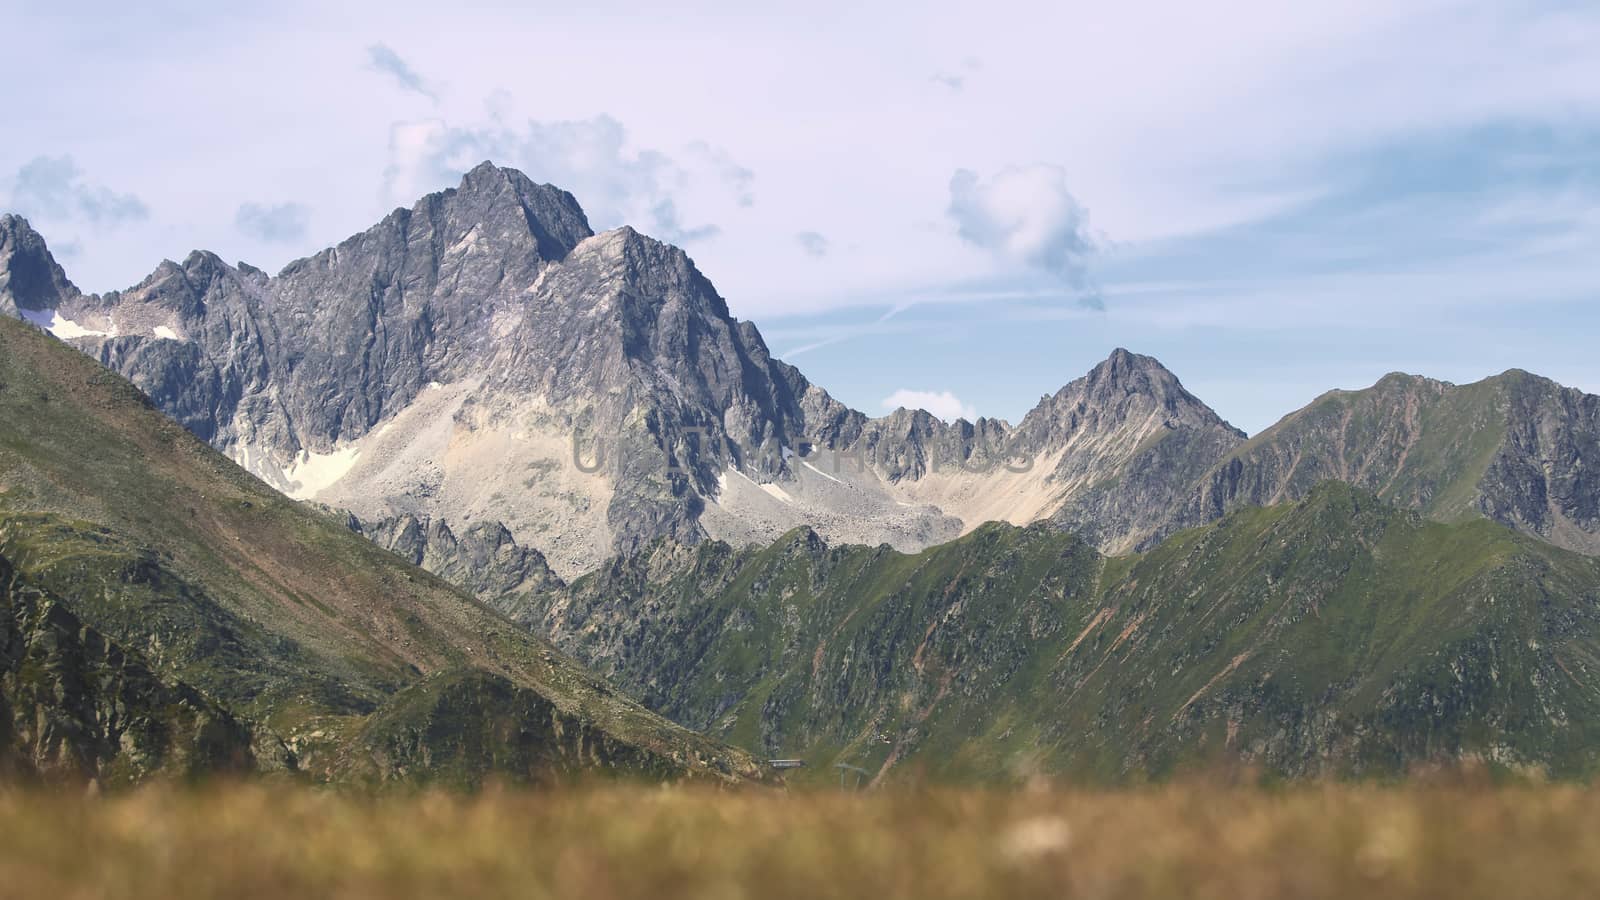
(485, 559)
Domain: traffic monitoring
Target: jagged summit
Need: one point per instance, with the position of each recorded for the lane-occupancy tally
(1126, 390)
(30, 278)
(552, 215)
(1123, 360)
(485, 356)
(1134, 373)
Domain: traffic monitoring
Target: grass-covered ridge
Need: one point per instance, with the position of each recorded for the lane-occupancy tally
(1337, 635)
(275, 612)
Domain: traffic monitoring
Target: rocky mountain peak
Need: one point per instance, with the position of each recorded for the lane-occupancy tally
(447, 362)
(1125, 373)
(30, 278)
(506, 198)
(1123, 361)
(1126, 387)
(204, 262)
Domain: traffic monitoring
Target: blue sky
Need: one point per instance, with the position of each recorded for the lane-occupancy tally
(915, 201)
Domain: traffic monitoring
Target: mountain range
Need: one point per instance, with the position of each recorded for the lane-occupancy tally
(485, 357)
(573, 428)
(164, 612)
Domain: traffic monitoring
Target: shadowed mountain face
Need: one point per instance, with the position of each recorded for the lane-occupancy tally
(165, 612)
(484, 357)
(1336, 635)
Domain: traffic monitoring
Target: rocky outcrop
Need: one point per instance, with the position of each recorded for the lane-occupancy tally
(1545, 476)
(30, 278)
(485, 559)
(464, 727)
(75, 706)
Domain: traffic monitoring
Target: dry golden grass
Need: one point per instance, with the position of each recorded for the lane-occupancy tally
(612, 841)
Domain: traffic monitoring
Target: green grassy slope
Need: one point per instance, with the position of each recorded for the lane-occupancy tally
(1335, 635)
(277, 613)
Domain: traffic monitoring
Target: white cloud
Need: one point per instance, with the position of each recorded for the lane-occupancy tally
(943, 404)
(1025, 214)
(739, 179)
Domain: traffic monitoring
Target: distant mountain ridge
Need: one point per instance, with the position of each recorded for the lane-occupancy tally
(484, 357)
(1516, 448)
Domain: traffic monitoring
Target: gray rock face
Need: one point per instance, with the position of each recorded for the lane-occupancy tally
(1111, 452)
(652, 374)
(324, 350)
(1516, 448)
(1545, 476)
(594, 394)
(618, 338)
(30, 279)
(485, 559)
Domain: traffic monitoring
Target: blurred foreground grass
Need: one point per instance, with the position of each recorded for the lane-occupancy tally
(255, 840)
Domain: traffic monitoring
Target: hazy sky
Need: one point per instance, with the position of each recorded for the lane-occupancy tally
(960, 205)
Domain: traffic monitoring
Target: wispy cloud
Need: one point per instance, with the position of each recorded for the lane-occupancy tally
(955, 80)
(739, 179)
(669, 229)
(282, 222)
(896, 310)
(829, 331)
(814, 345)
(813, 243)
(53, 187)
(383, 58)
